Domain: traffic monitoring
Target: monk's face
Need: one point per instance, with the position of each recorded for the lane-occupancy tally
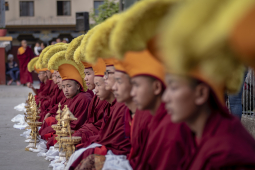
(182, 99)
(142, 92)
(122, 87)
(109, 77)
(58, 80)
(100, 90)
(70, 88)
(49, 75)
(89, 78)
(42, 76)
(24, 43)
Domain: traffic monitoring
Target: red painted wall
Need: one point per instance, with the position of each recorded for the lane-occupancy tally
(2, 65)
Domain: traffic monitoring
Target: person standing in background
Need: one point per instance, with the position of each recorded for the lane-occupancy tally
(25, 54)
(37, 49)
(12, 69)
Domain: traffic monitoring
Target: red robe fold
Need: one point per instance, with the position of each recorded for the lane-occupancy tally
(44, 92)
(52, 98)
(112, 135)
(166, 144)
(139, 136)
(94, 120)
(225, 144)
(25, 75)
(59, 97)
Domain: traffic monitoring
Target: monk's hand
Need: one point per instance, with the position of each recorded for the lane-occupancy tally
(29, 85)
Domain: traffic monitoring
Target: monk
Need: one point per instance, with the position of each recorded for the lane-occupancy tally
(112, 134)
(195, 95)
(97, 106)
(219, 141)
(55, 100)
(25, 54)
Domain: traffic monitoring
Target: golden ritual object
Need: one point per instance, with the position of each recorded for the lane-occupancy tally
(31, 117)
(57, 127)
(64, 133)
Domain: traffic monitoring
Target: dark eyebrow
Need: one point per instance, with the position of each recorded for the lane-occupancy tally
(117, 79)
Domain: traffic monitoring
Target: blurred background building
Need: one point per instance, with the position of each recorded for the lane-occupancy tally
(45, 20)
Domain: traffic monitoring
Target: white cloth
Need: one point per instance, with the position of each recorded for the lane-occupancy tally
(41, 147)
(77, 153)
(18, 118)
(57, 166)
(26, 134)
(20, 107)
(116, 162)
(20, 126)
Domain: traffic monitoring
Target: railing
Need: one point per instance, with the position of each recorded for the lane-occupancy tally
(248, 94)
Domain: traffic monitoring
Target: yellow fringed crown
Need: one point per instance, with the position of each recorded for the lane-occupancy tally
(98, 45)
(85, 40)
(67, 69)
(40, 62)
(138, 25)
(32, 63)
(194, 39)
(74, 44)
(53, 50)
(77, 55)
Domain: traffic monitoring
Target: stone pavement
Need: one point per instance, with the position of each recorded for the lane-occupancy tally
(12, 146)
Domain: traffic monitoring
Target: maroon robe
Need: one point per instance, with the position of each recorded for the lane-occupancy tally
(112, 135)
(59, 97)
(25, 75)
(52, 98)
(139, 136)
(94, 120)
(225, 144)
(166, 144)
(44, 92)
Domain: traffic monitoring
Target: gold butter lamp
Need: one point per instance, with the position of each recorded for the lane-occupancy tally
(31, 117)
(66, 143)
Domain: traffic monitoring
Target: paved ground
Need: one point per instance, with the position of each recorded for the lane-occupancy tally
(12, 146)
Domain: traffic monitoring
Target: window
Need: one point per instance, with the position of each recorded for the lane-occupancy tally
(6, 6)
(63, 8)
(26, 8)
(96, 5)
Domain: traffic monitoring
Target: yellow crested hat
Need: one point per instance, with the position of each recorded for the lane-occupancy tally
(31, 66)
(194, 42)
(98, 44)
(99, 67)
(138, 26)
(84, 43)
(40, 60)
(74, 44)
(68, 69)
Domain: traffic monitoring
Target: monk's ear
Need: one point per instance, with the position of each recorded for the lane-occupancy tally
(202, 92)
(157, 87)
(78, 86)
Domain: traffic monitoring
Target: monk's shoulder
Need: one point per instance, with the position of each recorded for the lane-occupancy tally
(83, 96)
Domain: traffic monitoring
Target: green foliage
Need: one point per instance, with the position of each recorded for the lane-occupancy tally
(107, 9)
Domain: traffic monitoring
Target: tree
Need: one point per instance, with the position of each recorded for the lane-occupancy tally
(107, 9)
